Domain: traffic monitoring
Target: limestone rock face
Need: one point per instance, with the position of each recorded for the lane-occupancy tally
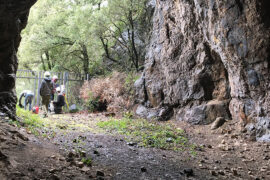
(13, 18)
(205, 51)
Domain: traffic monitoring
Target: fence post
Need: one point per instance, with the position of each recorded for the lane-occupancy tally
(65, 83)
(39, 84)
(35, 88)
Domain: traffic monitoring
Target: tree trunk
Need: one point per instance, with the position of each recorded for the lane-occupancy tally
(43, 63)
(85, 59)
(106, 49)
(48, 60)
(133, 45)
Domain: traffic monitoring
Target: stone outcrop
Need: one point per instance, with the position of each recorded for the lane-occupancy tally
(209, 59)
(13, 18)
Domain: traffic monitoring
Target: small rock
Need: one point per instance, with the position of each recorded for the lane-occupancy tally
(100, 173)
(131, 143)
(54, 177)
(213, 173)
(71, 154)
(70, 159)
(188, 172)
(2, 156)
(221, 173)
(234, 171)
(169, 140)
(202, 161)
(52, 170)
(223, 141)
(264, 169)
(22, 137)
(85, 169)
(143, 169)
(61, 159)
(209, 146)
(266, 157)
(96, 153)
(218, 162)
(98, 146)
(83, 154)
(217, 123)
(31, 169)
(79, 164)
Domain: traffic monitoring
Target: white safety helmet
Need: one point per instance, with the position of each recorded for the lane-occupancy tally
(58, 89)
(47, 74)
(55, 77)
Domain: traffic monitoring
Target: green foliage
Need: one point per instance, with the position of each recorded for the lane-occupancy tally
(129, 82)
(92, 103)
(84, 36)
(87, 161)
(148, 134)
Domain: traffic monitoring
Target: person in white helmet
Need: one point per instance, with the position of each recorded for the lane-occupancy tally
(60, 101)
(46, 91)
(54, 81)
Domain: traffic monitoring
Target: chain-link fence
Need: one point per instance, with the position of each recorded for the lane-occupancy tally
(71, 82)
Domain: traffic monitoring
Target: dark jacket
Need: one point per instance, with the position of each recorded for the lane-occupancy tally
(59, 103)
(46, 87)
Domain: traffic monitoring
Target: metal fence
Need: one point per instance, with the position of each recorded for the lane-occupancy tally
(31, 80)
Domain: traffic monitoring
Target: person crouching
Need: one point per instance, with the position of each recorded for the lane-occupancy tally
(28, 98)
(60, 101)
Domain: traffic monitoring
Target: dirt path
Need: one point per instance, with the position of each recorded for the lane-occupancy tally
(121, 159)
(223, 154)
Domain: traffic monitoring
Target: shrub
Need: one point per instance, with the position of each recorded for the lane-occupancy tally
(112, 93)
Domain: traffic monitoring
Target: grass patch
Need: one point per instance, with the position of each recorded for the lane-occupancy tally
(148, 133)
(87, 161)
(30, 120)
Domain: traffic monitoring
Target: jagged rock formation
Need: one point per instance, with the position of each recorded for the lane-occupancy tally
(13, 18)
(209, 59)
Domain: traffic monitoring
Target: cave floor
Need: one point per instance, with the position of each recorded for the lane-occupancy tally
(225, 153)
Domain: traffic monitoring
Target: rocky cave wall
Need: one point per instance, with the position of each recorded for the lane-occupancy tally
(209, 59)
(13, 18)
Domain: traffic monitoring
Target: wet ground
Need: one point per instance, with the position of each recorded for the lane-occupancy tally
(224, 153)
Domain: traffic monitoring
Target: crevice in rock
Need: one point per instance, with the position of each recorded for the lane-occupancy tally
(168, 32)
(263, 7)
(268, 58)
(208, 86)
(172, 18)
(162, 96)
(240, 5)
(217, 79)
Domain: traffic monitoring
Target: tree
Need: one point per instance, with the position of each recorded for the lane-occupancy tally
(83, 36)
